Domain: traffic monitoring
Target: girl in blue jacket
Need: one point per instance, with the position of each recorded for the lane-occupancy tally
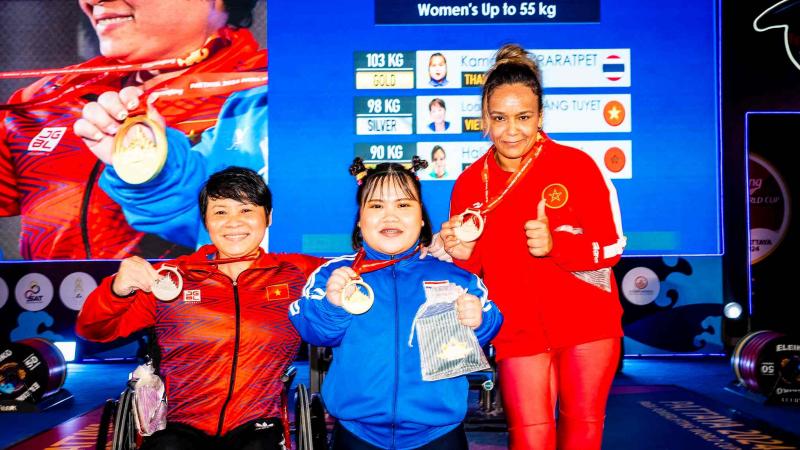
(374, 387)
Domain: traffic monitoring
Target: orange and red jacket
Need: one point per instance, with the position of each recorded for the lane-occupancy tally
(224, 343)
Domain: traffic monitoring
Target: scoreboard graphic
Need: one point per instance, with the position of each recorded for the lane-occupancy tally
(385, 80)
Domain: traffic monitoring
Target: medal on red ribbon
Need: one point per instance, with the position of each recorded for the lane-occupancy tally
(473, 219)
(169, 284)
(357, 295)
(140, 145)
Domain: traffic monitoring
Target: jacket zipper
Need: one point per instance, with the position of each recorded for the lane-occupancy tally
(235, 362)
(87, 195)
(396, 354)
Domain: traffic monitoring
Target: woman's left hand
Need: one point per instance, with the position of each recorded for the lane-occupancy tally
(469, 311)
(436, 249)
(540, 241)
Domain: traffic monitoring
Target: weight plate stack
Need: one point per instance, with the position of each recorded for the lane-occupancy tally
(768, 363)
(30, 370)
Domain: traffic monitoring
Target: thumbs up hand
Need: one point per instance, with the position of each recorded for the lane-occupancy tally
(540, 241)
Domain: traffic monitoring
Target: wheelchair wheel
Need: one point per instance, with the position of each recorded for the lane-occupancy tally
(319, 431)
(302, 419)
(124, 427)
(309, 417)
(105, 422)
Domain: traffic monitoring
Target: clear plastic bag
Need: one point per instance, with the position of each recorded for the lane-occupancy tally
(149, 401)
(447, 348)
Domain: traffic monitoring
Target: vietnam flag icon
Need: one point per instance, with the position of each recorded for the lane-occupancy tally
(278, 292)
(614, 113)
(614, 158)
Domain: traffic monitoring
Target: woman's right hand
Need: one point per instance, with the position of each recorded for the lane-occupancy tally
(452, 244)
(134, 274)
(336, 282)
(101, 120)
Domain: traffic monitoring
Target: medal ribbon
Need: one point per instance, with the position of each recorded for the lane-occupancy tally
(186, 267)
(204, 85)
(163, 64)
(213, 81)
(513, 180)
(361, 265)
(217, 262)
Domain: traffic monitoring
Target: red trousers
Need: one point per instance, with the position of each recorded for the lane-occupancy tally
(576, 379)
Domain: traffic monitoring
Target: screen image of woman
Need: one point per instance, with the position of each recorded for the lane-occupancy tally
(438, 115)
(437, 70)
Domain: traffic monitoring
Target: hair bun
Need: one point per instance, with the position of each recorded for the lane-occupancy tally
(358, 169)
(511, 53)
(418, 163)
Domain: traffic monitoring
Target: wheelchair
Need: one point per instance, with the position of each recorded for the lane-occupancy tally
(309, 429)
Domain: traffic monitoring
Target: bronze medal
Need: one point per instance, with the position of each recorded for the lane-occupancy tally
(471, 226)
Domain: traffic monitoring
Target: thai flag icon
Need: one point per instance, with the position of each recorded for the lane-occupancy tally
(613, 67)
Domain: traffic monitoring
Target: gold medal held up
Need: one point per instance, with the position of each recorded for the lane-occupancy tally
(357, 297)
(140, 150)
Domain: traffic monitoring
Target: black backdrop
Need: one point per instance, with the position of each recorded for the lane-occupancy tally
(758, 77)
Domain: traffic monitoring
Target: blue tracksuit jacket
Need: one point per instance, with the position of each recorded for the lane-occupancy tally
(374, 386)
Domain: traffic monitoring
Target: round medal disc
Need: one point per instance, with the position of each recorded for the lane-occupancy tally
(140, 150)
(471, 226)
(360, 297)
(167, 287)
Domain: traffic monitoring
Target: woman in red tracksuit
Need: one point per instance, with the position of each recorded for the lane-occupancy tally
(226, 339)
(552, 233)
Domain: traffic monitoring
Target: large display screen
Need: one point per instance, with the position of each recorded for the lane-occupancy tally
(633, 85)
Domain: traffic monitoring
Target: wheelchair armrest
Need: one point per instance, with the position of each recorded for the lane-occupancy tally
(288, 376)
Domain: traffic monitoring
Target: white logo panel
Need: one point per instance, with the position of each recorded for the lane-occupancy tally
(75, 288)
(34, 292)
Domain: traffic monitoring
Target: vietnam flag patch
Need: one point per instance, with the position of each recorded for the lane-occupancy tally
(278, 292)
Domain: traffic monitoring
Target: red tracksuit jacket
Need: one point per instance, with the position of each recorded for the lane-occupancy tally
(570, 296)
(224, 343)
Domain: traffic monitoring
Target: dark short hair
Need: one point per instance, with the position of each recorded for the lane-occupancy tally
(436, 101)
(235, 183)
(240, 12)
(437, 148)
(433, 55)
(391, 174)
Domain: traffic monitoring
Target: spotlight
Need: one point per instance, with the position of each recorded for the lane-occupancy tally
(732, 310)
(67, 349)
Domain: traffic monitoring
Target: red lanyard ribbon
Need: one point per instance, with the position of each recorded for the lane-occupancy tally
(163, 64)
(188, 267)
(216, 78)
(361, 265)
(523, 169)
(204, 85)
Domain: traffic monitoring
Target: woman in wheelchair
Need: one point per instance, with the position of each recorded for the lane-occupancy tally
(221, 326)
(376, 386)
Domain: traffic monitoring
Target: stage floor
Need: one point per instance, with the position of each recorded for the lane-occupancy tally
(655, 404)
